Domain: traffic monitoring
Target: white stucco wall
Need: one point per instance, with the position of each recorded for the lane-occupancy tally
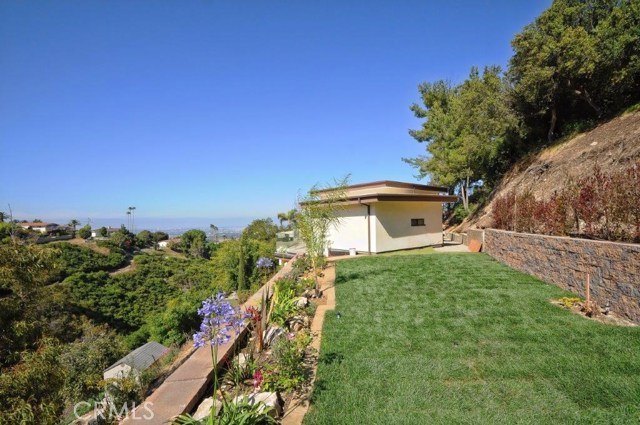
(394, 230)
(390, 226)
(351, 231)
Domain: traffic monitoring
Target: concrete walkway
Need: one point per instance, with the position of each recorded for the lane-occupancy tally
(452, 248)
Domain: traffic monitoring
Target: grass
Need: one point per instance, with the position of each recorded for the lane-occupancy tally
(462, 339)
(415, 251)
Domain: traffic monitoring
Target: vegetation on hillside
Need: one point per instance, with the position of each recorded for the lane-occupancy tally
(603, 206)
(577, 64)
(65, 318)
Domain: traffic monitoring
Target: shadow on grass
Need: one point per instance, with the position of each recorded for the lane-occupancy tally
(345, 277)
(331, 358)
(318, 387)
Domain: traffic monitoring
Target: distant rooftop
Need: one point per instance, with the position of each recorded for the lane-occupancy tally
(142, 357)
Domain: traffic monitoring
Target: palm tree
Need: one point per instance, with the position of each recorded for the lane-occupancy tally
(214, 232)
(73, 223)
(282, 217)
(129, 218)
(133, 218)
(132, 221)
(291, 217)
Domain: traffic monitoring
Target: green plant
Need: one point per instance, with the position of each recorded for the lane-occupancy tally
(238, 373)
(569, 302)
(287, 373)
(289, 284)
(284, 306)
(240, 412)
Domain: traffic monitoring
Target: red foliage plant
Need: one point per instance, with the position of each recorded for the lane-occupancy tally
(601, 205)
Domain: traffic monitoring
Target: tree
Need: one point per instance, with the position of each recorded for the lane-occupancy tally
(144, 239)
(103, 232)
(160, 236)
(193, 243)
(282, 217)
(3, 216)
(465, 129)
(242, 264)
(124, 239)
(85, 232)
(214, 232)
(261, 230)
(73, 223)
(25, 274)
(318, 212)
(291, 218)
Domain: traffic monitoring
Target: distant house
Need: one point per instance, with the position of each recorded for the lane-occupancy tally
(136, 361)
(387, 216)
(168, 242)
(38, 226)
(95, 233)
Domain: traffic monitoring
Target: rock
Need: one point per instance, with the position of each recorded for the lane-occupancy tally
(272, 334)
(204, 409)
(267, 399)
(242, 360)
(297, 323)
(301, 302)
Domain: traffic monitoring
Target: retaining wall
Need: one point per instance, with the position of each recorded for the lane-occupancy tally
(614, 267)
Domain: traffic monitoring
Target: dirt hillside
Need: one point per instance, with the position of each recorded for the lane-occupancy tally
(612, 145)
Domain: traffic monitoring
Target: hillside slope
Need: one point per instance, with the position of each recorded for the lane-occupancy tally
(612, 145)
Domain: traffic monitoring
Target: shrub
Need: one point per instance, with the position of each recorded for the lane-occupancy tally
(287, 373)
(604, 206)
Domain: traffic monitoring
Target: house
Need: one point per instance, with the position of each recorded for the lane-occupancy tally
(387, 216)
(95, 233)
(136, 361)
(168, 242)
(38, 226)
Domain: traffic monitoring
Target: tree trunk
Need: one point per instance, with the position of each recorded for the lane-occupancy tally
(552, 125)
(464, 191)
(585, 95)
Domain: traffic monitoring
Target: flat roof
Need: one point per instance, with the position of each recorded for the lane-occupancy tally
(390, 183)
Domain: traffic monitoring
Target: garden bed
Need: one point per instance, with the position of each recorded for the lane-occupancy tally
(271, 368)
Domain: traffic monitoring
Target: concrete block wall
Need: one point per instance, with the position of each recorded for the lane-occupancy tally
(614, 267)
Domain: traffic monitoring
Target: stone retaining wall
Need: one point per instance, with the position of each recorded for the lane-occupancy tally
(614, 267)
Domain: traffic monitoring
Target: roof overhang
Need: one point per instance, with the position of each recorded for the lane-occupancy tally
(384, 197)
(389, 183)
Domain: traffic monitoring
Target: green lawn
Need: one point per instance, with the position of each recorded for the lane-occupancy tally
(460, 338)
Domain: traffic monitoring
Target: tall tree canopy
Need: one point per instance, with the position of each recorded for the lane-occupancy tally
(576, 64)
(465, 128)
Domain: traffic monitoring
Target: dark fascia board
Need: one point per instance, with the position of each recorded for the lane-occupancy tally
(382, 197)
(390, 183)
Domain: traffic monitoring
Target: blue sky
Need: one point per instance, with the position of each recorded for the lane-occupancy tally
(221, 110)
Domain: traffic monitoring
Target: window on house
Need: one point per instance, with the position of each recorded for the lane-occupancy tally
(417, 222)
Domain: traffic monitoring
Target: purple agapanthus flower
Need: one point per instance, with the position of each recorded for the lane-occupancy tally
(264, 263)
(219, 321)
